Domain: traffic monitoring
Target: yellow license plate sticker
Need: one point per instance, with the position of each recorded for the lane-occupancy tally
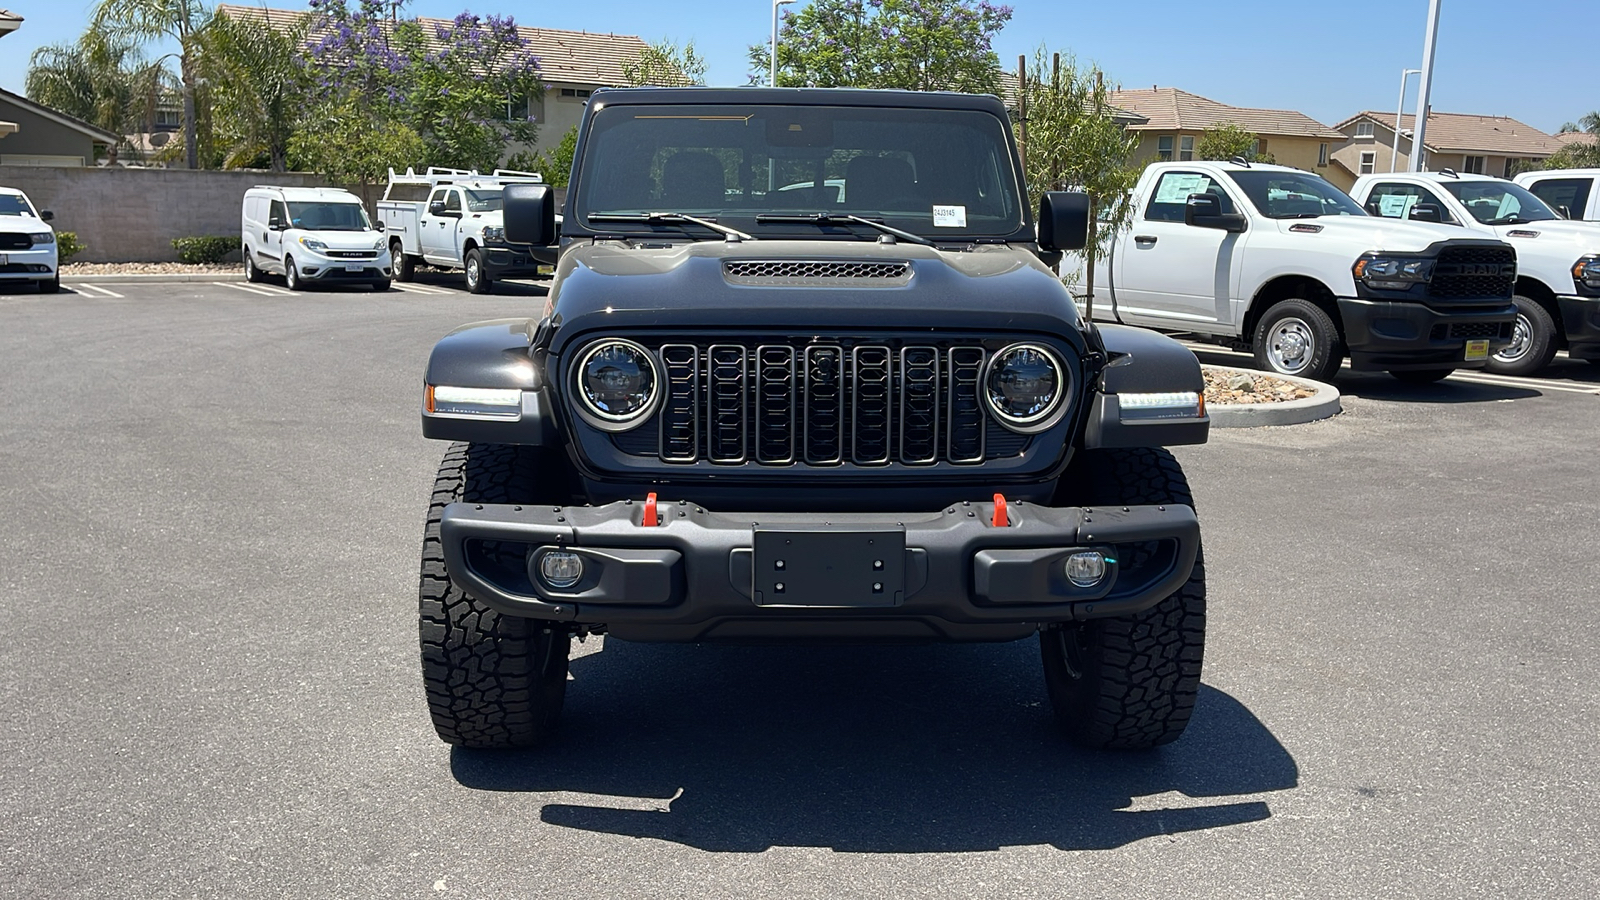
(1477, 349)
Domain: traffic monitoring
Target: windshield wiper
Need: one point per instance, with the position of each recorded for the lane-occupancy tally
(840, 218)
(663, 218)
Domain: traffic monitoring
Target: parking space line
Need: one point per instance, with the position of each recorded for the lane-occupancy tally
(273, 289)
(420, 289)
(98, 290)
(249, 289)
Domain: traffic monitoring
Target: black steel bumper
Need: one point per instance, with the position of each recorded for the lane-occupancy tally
(1580, 318)
(699, 575)
(1390, 335)
(516, 260)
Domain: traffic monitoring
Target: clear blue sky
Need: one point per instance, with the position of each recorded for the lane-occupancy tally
(1525, 60)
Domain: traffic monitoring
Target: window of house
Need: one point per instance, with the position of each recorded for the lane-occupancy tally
(1322, 155)
(1363, 129)
(1261, 148)
(1472, 165)
(575, 94)
(1186, 147)
(1164, 148)
(1368, 157)
(1513, 167)
(169, 118)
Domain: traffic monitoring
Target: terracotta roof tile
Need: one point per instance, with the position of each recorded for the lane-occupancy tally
(1169, 109)
(1465, 132)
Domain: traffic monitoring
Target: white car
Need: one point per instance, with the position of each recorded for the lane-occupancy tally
(1558, 261)
(313, 236)
(27, 243)
(1575, 193)
(1281, 263)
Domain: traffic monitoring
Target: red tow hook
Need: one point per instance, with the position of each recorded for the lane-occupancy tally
(650, 520)
(1000, 520)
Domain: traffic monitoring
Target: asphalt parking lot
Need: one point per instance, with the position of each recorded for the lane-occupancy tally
(213, 499)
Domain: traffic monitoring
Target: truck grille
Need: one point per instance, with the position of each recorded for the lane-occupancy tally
(1471, 330)
(15, 241)
(822, 404)
(1471, 273)
(790, 271)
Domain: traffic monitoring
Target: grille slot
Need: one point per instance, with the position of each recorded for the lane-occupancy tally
(919, 405)
(966, 431)
(1459, 274)
(15, 241)
(1471, 330)
(824, 400)
(680, 414)
(725, 403)
(775, 396)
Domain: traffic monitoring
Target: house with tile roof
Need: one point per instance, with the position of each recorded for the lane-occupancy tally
(574, 64)
(9, 22)
(1482, 145)
(1175, 120)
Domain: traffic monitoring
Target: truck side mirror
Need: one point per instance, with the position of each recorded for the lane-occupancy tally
(1565, 211)
(274, 224)
(435, 207)
(529, 213)
(378, 225)
(1205, 211)
(46, 215)
(1063, 220)
(1426, 212)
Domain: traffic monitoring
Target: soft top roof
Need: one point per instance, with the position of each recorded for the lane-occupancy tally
(698, 96)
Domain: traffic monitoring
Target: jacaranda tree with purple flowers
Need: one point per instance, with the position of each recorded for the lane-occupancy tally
(919, 45)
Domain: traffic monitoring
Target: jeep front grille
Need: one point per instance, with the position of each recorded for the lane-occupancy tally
(1471, 272)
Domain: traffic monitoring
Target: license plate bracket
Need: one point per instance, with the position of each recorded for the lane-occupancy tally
(1477, 350)
(827, 566)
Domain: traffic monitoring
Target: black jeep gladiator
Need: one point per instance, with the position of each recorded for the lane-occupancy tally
(804, 374)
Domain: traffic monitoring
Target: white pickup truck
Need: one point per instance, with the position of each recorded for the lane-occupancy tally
(1574, 193)
(451, 218)
(1558, 262)
(1281, 263)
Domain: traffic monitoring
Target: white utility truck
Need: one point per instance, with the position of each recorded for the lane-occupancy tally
(451, 218)
(1558, 262)
(1279, 262)
(1575, 193)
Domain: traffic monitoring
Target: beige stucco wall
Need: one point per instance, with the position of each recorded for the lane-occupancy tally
(1381, 144)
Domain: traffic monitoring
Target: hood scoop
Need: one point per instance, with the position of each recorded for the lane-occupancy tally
(816, 273)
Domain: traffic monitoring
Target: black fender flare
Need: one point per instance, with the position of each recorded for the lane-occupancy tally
(492, 354)
(1139, 361)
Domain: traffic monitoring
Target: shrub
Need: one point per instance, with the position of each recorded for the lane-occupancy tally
(195, 250)
(68, 245)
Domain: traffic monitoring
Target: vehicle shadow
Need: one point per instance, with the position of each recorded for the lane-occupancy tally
(455, 281)
(867, 749)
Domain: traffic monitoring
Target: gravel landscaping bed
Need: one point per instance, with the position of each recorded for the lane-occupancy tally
(1235, 387)
(150, 268)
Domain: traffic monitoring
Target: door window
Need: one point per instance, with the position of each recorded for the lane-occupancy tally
(442, 195)
(279, 213)
(1392, 200)
(1573, 193)
(1173, 191)
(452, 202)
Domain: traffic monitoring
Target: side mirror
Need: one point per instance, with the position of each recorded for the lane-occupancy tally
(46, 215)
(1565, 211)
(1063, 220)
(378, 225)
(530, 214)
(274, 224)
(1426, 212)
(435, 207)
(1205, 211)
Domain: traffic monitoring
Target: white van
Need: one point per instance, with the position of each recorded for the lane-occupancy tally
(313, 236)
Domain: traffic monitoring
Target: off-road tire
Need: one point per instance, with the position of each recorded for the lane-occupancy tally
(405, 267)
(1540, 347)
(251, 273)
(492, 680)
(291, 275)
(481, 283)
(1129, 682)
(1327, 345)
(1421, 376)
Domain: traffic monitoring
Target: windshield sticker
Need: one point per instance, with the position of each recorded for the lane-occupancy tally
(1396, 206)
(1176, 187)
(949, 217)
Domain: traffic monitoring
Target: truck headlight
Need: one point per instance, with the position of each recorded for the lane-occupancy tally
(378, 244)
(1024, 387)
(1393, 273)
(494, 233)
(43, 237)
(617, 382)
(314, 245)
(1587, 271)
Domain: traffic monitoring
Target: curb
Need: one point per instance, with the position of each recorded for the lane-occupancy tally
(158, 278)
(1321, 405)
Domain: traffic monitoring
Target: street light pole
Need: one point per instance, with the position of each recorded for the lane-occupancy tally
(1425, 88)
(772, 78)
(1394, 152)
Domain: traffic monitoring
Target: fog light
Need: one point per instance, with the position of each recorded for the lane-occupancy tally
(1087, 568)
(562, 570)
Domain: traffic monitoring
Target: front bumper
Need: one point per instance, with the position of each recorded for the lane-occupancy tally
(700, 575)
(1390, 335)
(339, 271)
(28, 265)
(1580, 318)
(516, 260)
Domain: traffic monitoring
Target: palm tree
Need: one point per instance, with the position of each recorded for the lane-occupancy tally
(103, 81)
(141, 21)
(258, 82)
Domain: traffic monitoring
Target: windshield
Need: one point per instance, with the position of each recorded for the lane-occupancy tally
(946, 174)
(15, 205)
(1499, 202)
(324, 216)
(1294, 195)
(479, 200)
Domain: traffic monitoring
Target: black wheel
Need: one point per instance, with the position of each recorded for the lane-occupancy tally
(1533, 341)
(491, 680)
(1295, 337)
(380, 285)
(291, 275)
(405, 267)
(53, 286)
(251, 273)
(1129, 682)
(478, 279)
(1421, 376)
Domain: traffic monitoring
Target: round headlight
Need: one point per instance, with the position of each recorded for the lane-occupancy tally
(617, 382)
(1024, 386)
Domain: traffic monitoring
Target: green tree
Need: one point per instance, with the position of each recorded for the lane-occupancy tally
(104, 81)
(665, 64)
(1227, 141)
(348, 143)
(918, 45)
(554, 164)
(181, 21)
(1577, 155)
(259, 88)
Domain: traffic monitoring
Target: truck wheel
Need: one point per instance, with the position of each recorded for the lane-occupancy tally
(478, 279)
(1298, 338)
(492, 680)
(291, 275)
(1422, 376)
(405, 267)
(1129, 682)
(251, 273)
(1533, 341)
